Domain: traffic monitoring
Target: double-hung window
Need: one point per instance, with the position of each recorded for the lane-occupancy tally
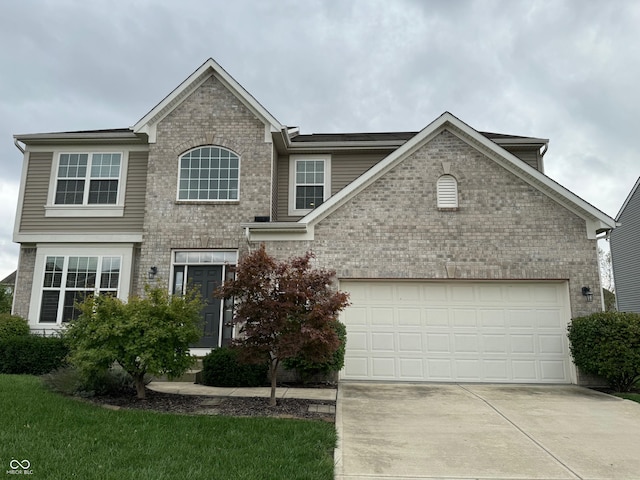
(69, 279)
(310, 182)
(88, 179)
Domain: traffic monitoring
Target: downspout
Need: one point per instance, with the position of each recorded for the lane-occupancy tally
(15, 142)
(545, 147)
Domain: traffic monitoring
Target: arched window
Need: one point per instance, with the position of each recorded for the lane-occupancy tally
(447, 188)
(209, 173)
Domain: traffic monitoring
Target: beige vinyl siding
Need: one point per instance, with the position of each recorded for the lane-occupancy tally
(345, 168)
(530, 156)
(33, 218)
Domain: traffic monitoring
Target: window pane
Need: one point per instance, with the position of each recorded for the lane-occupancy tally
(82, 272)
(110, 274)
(53, 272)
(69, 192)
(103, 192)
(69, 312)
(105, 165)
(205, 165)
(49, 306)
(308, 198)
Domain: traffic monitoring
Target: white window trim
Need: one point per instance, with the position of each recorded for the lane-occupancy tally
(200, 200)
(293, 211)
(86, 210)
(125, 252)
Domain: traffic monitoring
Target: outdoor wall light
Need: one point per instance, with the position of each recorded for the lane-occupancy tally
(586, 291)
(153, 271)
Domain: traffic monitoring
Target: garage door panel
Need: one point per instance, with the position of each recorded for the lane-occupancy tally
(464, 317)
(438, 343)
(382, 342)
(457, 331)
(410, 342)
(383, 368)
(437, 317)
(411, 368)
(496, 343)
(358, 341)
(491, 317)
(355, 315)
(440, 369)
(409, 317)
(466, 343)
(522, 344)
(381, 316)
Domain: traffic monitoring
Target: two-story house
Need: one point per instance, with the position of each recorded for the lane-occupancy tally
(464, 261)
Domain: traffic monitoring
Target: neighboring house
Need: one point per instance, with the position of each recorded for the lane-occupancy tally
(625, 253)
(463, 260)
(8, 283)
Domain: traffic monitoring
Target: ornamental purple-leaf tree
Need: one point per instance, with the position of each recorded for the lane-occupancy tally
(284, 309)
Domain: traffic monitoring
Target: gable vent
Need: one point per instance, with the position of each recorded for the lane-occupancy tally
(447, 189)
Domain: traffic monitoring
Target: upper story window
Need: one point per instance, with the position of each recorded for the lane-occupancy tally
(309, 182)
(88, 179)
(447, 191)
(209, 173)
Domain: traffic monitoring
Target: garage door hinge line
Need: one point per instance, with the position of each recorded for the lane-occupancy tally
(542, 447)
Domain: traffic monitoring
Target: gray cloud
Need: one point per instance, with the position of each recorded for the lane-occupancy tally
(563, 70)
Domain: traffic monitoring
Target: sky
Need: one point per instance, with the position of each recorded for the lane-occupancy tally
(568, 71)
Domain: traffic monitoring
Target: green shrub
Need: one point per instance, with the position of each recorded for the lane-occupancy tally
(70, 380)
(307, 369)
(608, 344)
(13, 326)
(32, 354)
(221, 368)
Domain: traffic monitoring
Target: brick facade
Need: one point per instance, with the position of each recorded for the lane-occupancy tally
(209, 116)
(504, 229)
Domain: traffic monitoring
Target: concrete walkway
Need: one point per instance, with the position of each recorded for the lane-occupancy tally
(490, 432)
(185, 388)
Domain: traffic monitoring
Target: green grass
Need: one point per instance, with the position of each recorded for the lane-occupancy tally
(629, 396)
(66, 438)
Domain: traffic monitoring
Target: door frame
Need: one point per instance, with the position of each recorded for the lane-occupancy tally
(226, 258)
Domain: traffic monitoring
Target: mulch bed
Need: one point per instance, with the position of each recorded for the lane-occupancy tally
(208, 405)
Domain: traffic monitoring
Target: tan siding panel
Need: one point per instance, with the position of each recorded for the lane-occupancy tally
(345, 168)
(35, 198)
(529, 156)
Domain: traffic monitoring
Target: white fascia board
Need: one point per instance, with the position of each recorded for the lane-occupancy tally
(147, 124)
(23, 181)
(376, 171)
(628, 199)
(509, 161)
(75, 238)
(277, 231)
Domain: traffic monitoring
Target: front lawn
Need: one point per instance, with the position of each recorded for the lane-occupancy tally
(66, 438)
(629, 396)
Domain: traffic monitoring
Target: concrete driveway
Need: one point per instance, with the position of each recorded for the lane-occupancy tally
(496, 432)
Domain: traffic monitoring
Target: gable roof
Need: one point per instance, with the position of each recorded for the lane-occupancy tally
(628, 199)
(208, 69)
(596, 220)
(9, 279)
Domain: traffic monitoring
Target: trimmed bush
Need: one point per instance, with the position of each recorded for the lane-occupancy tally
(221, 368)
(32, 354)
(608, 344)
(70, 380)
(308, 369)
(13, 326)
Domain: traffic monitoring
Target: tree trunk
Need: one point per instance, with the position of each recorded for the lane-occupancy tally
(273, 371)
(140, 390)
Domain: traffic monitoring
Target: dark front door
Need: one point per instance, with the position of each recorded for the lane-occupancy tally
(206, 279)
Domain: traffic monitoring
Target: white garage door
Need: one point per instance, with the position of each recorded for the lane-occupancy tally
(457, 331)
